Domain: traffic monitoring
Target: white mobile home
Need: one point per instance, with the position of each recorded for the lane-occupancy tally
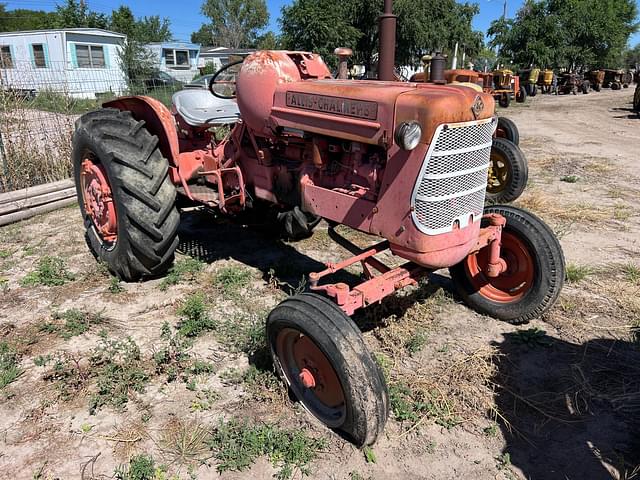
(220, 56)
(178, 59)
(80, 62)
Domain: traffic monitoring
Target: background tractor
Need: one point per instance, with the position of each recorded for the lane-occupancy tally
(545, 81)
(506, 86)
(572, 83)
(613, 79)
(407, 162)
(636, 98)
(596, 79)
(529, 79)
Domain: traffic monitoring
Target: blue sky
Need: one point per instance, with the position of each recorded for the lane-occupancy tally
(185, 14)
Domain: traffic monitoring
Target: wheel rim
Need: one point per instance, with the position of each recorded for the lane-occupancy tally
(501, 132)
(511, 285)
(311, 376)
(499, 173)
(98, 199)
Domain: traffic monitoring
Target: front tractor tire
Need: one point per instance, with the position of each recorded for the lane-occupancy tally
(321, 355)
(508, 172)
(534, 276)
(126, 198)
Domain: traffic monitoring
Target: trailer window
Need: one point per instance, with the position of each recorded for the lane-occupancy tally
(90, 56)
(6, 60)
(176, 58)
(39, 58)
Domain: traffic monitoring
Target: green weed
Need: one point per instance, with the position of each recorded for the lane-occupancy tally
(114, 286)
(118, 368)
(173, 357)
(232, 279)
(491, 430)
(576, 273)
(9, 360)
(183, 270)
(5, 254)
(244, 333)
(42, 360)
(236, 445)
(76, 322)
(4, 284)
(50, 272)
(194, 318)
(631, 273)
(369, 454)
(417, 341)
(409, 405)
(569, 178)
(140, 467)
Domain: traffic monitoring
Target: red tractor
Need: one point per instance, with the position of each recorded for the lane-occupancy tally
(404, 161)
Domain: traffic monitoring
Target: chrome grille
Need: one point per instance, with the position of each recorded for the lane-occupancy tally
(453, 179)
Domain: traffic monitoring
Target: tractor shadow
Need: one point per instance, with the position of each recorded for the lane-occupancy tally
(208, 238)
(631, 113)
(569, 409)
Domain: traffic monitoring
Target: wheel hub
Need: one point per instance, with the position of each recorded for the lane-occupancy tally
(498, 173)
(513, 283)
(98, 200)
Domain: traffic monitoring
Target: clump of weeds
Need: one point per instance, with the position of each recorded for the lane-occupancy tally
(194, 316)
(183, 270)
(50, 272)
(236, 445)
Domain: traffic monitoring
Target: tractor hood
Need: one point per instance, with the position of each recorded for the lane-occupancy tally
(369, 111)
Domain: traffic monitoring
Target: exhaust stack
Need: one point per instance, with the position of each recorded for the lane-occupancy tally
(387, 46)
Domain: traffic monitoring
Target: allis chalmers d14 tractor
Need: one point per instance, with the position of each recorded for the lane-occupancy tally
(405, 161)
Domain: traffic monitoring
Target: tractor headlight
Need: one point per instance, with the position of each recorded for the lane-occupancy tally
(408, 135)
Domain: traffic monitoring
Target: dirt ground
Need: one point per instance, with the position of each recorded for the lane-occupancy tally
(472, 397)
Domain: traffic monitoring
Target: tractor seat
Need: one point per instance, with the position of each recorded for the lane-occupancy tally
(200, 108)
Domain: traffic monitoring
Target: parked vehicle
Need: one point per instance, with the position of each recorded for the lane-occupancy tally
(626, 79)
(200, 82)
(545, 81)
(612, 79)
(529, 79)
(402, 161)
(636, 98)
(573, 83)
(159, 79)
(506, 87)
(596, 79)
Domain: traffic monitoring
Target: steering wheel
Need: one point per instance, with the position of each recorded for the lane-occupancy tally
(228, 85)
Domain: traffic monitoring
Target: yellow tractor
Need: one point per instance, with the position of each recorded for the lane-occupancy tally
(545, 80)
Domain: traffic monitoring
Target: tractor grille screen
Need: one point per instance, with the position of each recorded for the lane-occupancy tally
(453, 179)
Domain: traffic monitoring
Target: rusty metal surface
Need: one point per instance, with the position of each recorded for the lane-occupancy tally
(158, 120)
(387, 46)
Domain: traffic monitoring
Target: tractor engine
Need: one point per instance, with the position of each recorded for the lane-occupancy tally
(405, 161)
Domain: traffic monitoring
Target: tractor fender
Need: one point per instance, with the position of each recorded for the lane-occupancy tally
(158, 121)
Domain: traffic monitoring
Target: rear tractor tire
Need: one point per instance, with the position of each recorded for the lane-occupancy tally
(505, 100)
(126, 198)
(521, 95)
(585, 87)
(321, 355)
(508, 129)
(535, 270)
(636, 99)
(508, 172)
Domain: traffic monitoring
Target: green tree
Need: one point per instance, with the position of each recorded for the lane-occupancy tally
(318, 26)
(123, 21)
(204, 36)
(153, 29)
(234, 23)
(75, 14)
(572, 34)
(24, 19)
(423, 26)
(268, 41)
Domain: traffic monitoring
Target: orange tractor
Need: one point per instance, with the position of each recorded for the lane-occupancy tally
(404, 161)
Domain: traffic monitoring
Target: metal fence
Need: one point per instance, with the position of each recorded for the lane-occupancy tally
(38, 108)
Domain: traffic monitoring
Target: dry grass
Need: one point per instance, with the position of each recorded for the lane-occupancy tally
(36, 145)
(547, 206)
(184, 442)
